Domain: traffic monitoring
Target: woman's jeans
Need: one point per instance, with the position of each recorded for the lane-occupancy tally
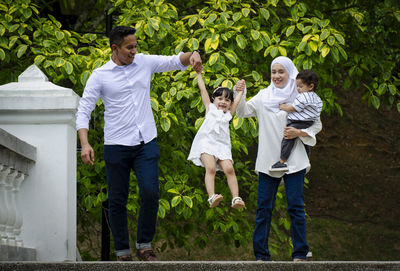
(143, 160)
(267, 189)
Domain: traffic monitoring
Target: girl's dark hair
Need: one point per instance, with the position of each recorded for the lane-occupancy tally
(222, 91)
(308, 77)
(118, 34)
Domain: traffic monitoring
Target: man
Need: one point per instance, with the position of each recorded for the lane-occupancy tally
(123, 83)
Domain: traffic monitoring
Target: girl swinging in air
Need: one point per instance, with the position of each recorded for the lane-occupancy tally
(211, 147)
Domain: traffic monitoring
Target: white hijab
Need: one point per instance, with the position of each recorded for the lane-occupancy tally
(273, 95)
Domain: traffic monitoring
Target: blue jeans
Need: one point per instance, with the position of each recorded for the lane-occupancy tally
(267, 189)
(143, 160)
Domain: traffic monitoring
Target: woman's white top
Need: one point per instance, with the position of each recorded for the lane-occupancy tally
(213, 137)
(270, 134)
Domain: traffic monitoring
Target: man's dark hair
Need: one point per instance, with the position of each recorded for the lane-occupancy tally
(118, 34)
(308, 77)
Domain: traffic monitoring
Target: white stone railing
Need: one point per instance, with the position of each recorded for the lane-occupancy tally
(16, 157)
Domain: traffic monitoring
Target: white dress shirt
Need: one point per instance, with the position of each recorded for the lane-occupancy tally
(125, 91)
(270, 134)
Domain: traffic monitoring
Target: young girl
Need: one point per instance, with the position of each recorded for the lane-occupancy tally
(211, 147)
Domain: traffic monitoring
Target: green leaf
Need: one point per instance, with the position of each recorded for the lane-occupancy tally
(375, 101)
(245, 12)
(155, 23)
(265, 13)
(59, 62)
(339, 38)
(176, 200)
(255, 34)
(302, 45)
(59, 35)
(84, 77)
(342, 52)
(2, 54)
(188, 201)
(282, 50)
(173, 191)
(231, 56)
(325, 51)
(236, 16)
(21, 50)
(274, 51)
(237, 122)
(331, 40)
(192, 21)
(256, 76)
(213, 58)
(13, 27)
(290, 30)
(198, 123)
(392, 89)
(398, 107)
(165, 123)
(227, 84)
(68, 67)
(325, 33)
(381, 89)
(161, 211)
(241, 42)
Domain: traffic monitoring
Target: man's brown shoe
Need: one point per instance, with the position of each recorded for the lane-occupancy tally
(147, 255)
(124, 258)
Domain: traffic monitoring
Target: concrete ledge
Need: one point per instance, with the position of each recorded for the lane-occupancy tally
(13, 253)
(202, 266)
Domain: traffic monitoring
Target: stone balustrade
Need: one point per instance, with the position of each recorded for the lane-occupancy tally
(16, 157)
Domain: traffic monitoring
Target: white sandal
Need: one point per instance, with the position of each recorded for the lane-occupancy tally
(237, 203)
(215, 200)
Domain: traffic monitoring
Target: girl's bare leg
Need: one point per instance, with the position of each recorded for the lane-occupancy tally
(210, 166)
(227, 167)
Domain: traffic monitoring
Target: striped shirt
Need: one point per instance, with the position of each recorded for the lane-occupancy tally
(308, 106)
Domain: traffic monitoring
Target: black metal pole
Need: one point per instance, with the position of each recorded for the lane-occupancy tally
(105, 233)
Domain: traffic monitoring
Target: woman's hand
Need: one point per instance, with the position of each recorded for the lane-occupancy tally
(291, 132)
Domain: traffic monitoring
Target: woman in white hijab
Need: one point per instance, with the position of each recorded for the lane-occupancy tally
(271, 121)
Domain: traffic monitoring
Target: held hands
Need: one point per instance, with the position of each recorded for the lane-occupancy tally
(240, 85)
(195, 62)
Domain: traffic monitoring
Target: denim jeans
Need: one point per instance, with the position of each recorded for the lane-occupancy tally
(267, 189)
(143, 160)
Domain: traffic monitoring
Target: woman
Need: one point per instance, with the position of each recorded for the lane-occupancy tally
(272, 121)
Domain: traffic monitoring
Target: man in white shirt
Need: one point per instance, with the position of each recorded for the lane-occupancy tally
(130, 133)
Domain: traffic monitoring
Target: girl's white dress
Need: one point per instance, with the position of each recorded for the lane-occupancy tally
(213, 137)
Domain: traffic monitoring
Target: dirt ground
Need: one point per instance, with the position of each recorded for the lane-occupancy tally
(355, 174)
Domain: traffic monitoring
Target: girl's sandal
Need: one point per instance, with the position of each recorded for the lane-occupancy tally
(215, 200)
(237, 203)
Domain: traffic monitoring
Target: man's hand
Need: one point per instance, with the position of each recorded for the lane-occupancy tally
(87, 154)
(240, 85)
(195, 61)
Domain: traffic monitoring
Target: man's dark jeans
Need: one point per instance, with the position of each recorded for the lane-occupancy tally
(143, 160)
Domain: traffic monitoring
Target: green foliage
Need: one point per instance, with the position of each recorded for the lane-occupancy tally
(353, 45)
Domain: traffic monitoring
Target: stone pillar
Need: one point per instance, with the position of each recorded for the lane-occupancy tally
(43, 115)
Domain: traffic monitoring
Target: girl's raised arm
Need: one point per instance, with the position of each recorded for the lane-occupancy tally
(240, 90)
(203, 91)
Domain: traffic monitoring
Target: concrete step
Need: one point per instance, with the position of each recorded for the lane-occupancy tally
(201, 266)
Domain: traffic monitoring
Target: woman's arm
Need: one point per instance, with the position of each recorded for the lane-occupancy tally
(203, 91)
(305, 135)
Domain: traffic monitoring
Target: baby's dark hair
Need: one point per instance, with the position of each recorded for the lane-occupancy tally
(308, 77)
(223, 91)
(118, 34)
